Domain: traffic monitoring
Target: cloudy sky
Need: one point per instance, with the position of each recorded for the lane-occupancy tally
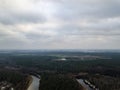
(59, 24)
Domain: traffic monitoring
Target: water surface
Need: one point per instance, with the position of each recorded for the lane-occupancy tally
(35, 84)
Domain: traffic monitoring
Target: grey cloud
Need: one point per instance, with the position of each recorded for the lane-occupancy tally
(60, 24)
(105, 29)
(35, 36)
(21, 18)
(79, 9)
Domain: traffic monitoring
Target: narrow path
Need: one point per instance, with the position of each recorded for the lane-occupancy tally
(35, 84)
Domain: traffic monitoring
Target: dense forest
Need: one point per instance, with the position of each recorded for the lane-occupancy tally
(59, 82)
(103, 82)
(62, 68)
(48, 61)
(18, 80)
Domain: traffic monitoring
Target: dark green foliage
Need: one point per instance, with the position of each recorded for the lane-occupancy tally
(10, 76)
(58, 82)
(18, 80)
(46, 61)
(104, 82)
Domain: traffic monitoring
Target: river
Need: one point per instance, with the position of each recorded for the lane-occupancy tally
(35, 84)
(84, 85)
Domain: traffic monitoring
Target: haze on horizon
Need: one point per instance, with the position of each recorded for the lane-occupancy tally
(59, 24)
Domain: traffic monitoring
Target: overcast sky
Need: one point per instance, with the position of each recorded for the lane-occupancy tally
(59, 24)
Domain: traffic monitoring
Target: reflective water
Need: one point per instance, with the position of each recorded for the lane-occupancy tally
(35, 84)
